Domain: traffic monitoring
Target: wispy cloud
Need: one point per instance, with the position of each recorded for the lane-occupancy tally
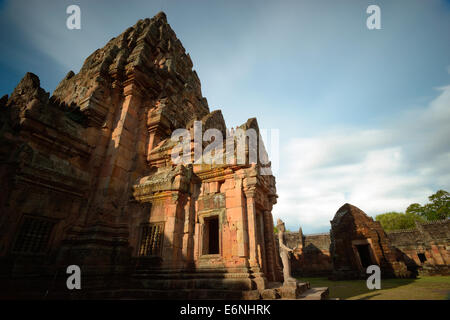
(376, 170)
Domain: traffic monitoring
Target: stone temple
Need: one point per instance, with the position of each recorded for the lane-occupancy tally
(88, 180)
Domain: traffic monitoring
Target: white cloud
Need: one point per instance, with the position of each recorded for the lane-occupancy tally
(376, 170)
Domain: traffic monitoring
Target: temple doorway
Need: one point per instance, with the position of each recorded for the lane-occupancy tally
(364, 255)
(212, 235)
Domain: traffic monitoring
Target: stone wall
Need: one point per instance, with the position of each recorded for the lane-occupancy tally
(311, 256)
(426, 249)
(313, 259)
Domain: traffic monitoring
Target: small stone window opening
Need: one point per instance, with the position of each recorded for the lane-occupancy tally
(422, 257)
(151, 239)
(211, 238)
(220, 185)
(34, 235)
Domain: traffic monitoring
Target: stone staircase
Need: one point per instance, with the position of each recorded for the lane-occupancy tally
(214, 285)
(156, 284)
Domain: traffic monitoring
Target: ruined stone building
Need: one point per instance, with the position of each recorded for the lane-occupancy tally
(357, 241)
(88, 180)
(312, 253)
(425, 249)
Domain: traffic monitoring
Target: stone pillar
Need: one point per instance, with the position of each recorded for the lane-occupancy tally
(251, 221)
(236, 215)
(188, 232)
(269, 245)
(173, 207)
(259, 277)
(197, 236)
(261, 243)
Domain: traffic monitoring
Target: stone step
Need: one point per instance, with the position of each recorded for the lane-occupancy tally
(277, 291)
(152, 275)
(303, 286)
(181, 294)
(204, 294)
(199, 283)
(321, 293)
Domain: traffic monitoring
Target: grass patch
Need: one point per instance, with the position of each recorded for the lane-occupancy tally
(422, 288)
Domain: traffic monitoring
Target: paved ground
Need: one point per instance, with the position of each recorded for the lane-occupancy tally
(422, 288)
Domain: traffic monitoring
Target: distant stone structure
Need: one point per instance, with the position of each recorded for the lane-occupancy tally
(311, 257)
(425, 249)
(88, 179)
(356, 241)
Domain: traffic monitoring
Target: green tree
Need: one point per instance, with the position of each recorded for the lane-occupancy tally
(437, 209)
(439, 206)
(397, 220)
(415, 208)
(275, 230)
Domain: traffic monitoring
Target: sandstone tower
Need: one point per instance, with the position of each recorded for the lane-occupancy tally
(88, 180)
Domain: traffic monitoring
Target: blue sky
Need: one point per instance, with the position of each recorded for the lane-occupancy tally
(363, 114)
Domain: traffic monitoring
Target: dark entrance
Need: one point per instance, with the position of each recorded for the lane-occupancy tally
(212, 225)
(422, 257)
(364, 255)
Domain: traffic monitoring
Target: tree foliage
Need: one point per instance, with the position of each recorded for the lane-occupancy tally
(275, 230)
(397, 220)
(437, 209)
